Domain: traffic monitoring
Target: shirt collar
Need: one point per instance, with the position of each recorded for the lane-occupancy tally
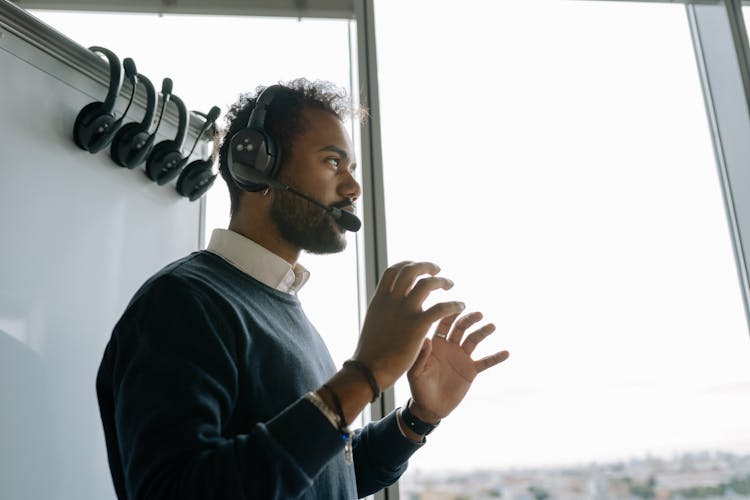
(257, 261)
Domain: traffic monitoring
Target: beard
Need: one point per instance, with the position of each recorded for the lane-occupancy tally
(306, 226)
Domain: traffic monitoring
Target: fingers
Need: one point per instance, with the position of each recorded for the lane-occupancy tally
(461, 325)
(444, 327)
(390, 275)
(424, 287)
(476, 337)
(443, 309)
(408, 273)
(489, 361)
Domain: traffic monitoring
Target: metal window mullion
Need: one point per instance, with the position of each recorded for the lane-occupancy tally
(373, 199)
(721, 48)
(373, 202)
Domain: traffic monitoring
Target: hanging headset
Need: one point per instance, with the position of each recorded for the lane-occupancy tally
(96, 125)
(163, 163)
(196, 178)
(254, 147)
(133, 143)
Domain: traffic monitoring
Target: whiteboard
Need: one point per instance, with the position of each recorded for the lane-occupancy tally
(79, 236)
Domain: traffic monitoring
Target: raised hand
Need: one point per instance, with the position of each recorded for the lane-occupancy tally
(395, 324)
(444, 369)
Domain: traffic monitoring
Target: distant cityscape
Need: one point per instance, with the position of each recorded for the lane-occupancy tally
(705, 475)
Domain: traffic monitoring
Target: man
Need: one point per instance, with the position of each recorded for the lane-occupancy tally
(215, 385)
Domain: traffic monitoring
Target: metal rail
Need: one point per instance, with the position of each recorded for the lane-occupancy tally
(31, 30)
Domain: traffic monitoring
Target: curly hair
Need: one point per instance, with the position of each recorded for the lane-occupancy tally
(284, 119)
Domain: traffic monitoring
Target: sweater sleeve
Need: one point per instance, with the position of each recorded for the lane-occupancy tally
(167, 386)
(381, 454)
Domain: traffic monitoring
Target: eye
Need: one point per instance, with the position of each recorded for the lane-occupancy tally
(334, 161)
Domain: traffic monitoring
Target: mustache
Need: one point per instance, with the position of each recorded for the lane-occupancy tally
(345, 203)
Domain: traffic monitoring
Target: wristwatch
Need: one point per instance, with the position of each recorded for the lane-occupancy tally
(418, 426)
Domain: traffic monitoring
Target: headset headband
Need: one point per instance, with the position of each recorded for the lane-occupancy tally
(182, 128)
(115, 77)
(257, 118)
(148, 117)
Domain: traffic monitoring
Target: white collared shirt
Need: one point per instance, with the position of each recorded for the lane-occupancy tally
(257, 261)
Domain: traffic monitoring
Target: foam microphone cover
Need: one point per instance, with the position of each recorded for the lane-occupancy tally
(349, 221)
(166, 86)
(129, 66)
(213, 114)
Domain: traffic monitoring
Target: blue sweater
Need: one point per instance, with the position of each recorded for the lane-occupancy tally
(201, 396)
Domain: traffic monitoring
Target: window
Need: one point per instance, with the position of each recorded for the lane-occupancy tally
(553, 157)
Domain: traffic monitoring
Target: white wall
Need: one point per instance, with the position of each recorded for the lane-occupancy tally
(79, 235)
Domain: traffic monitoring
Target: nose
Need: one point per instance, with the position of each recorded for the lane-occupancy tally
(350, 188)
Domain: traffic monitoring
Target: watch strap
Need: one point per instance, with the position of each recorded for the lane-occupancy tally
(413, 423)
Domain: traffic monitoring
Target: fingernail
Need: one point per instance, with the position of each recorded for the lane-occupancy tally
(461, 306)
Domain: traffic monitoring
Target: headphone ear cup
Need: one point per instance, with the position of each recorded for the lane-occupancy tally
(173, 163)
(84, 127)
(165, 162)
(252, 148)
(269, 156)
(154, 161)
(265, 158)
(104, 128)
(195, 179)
(124, 143)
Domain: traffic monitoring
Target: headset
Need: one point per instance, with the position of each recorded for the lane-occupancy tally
(254, 147)
(164, 162)
(254, 160)
(133, 143)
(95, 125)
(196, 178)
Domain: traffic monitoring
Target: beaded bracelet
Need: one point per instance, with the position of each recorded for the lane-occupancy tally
(324, 408)
(346, 434)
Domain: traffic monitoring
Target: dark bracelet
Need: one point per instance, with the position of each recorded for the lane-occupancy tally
(346, 434)
(339, 408)
(368, 375)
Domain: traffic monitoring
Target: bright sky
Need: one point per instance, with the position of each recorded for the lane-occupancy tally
(554, 158)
